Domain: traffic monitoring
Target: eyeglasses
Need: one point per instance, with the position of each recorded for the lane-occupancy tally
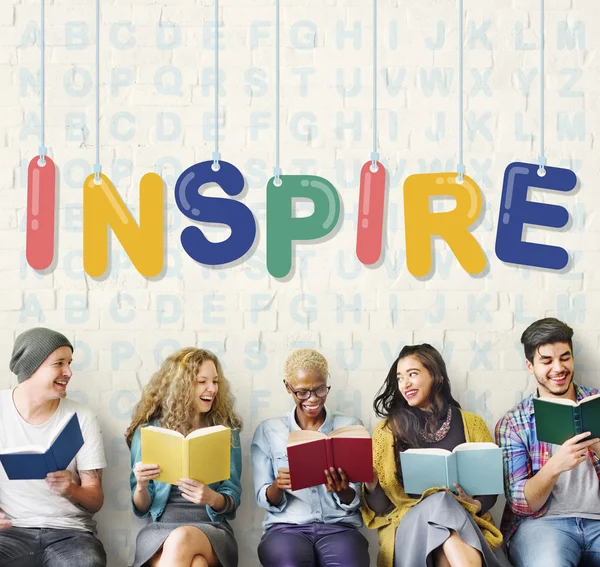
(321, 392)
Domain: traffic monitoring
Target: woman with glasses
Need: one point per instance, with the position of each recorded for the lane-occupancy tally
(437, 528)
(315, 526)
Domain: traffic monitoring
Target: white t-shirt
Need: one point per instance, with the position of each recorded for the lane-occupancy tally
(31, 503)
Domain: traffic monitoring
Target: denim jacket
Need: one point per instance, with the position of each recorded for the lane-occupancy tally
(316, 504)
(159, 491)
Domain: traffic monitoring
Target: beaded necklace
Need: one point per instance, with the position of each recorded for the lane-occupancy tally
(440, 433)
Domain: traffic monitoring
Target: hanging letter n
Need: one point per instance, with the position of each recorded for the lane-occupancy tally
(104, 208)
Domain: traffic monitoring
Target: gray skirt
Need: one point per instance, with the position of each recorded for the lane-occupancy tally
(180, 512)
(427, 526)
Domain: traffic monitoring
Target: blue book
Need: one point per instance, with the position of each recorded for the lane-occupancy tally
(34, 463)
(475, 467)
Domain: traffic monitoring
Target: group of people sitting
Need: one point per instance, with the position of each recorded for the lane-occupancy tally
(551, 519)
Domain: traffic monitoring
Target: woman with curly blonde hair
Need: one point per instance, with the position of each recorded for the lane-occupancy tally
(188, 524)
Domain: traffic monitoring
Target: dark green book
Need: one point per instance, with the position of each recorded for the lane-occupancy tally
(559, 419)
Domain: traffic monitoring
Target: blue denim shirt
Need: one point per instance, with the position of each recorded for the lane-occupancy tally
(316, 504)
(159, 491)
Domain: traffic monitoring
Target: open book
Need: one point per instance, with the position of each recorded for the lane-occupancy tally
(558, 419)
(311, 452)
(475, 467)
(34, 463)
(203, 455)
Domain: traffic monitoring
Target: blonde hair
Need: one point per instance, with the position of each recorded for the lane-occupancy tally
(169, 396)
(305, 359)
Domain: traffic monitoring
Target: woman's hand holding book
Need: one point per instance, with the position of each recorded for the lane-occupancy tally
(144, 474)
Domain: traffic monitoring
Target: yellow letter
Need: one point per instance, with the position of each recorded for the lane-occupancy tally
(103, 207)
(421, 224)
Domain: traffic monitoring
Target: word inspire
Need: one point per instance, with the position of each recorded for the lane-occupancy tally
(144, 242)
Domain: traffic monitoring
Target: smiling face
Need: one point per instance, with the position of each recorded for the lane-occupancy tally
(50, 380)
(207, 386)
(414, 382)
(553, 367)
(308, 379)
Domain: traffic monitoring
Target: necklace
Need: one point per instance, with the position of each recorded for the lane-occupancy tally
(441, 432)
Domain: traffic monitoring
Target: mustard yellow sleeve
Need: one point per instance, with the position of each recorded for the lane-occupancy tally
(476, 430)
(384, 464)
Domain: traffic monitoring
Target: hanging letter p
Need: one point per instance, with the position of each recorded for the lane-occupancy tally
(283, 229)
(103, 207)
(421, 223)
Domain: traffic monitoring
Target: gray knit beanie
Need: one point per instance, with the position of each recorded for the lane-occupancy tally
(33, 347)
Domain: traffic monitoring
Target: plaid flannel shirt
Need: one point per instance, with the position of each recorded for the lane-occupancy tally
(523, 456)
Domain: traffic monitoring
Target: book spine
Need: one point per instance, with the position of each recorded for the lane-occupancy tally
(329, 452)
(51, 463)
(185, 459)
(577, 422)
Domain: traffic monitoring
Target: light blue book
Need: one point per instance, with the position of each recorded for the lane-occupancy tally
(475, 467)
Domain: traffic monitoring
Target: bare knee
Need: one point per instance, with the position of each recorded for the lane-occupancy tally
(181, 539)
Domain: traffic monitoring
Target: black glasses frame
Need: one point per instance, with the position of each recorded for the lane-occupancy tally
(295, 392)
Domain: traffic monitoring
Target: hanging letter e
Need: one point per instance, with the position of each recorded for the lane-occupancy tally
(516, 211)
(283, 229)
(453, 226)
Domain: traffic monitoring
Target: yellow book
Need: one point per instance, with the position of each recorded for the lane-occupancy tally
(203, 455)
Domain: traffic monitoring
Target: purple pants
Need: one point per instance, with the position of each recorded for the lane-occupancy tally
(313, 545)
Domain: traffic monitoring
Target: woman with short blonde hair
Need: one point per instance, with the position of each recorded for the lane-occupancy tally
(313, 526)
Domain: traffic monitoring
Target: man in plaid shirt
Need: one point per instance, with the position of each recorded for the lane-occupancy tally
(552, 514)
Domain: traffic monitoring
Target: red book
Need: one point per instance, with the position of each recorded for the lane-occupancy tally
(311, 452)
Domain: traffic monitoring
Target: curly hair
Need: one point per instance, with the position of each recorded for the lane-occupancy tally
(306, 359)
(169, 396)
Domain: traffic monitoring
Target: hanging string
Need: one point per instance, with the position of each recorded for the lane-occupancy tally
(541, 158)
(374, 154)
(97, 166)
(277, 170)
(216, 155)
(43, 150)
(460, 168)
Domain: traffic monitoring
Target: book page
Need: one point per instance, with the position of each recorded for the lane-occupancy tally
(206, 431)
(561, 401)
(299, 436)
(351, 431)
(163, 430)
(590, 399)
(475, 446)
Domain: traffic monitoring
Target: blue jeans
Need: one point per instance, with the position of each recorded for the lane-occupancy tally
(556, 542)
(47, 547)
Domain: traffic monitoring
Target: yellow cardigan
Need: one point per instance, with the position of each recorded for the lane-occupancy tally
(384, 460)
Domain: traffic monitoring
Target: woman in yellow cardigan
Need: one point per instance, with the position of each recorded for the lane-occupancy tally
(437, 528)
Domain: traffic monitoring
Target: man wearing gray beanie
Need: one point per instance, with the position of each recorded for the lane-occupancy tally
(48, 522)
